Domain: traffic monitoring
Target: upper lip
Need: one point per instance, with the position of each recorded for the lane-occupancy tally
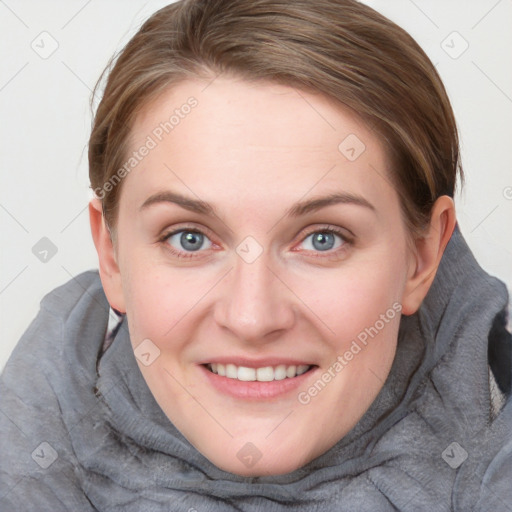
(256, 363)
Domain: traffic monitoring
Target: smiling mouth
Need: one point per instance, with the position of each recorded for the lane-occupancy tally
(262, 374)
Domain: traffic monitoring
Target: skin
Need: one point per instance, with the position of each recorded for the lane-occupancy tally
(252, 151)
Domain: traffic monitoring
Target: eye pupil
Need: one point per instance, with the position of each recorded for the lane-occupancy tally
(325, 241)
(191, 241)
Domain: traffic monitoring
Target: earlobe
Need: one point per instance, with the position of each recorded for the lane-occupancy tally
(429, 251)
(108, 267)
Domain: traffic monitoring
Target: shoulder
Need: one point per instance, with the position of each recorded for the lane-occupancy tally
(45, 387)
(63, 312)
(64, 299)
(484, 482)
(64, 337)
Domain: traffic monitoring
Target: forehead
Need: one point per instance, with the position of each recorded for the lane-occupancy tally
(235, 140)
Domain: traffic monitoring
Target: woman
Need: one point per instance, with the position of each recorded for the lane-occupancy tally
(301, 322)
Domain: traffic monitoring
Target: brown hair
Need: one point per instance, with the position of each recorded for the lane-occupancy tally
(339, 48)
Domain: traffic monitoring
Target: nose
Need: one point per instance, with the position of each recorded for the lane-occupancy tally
(256, 305)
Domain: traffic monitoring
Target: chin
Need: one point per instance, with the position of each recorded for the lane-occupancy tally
(245, 459)
(262, 468)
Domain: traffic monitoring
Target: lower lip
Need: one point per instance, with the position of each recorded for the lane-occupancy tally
(255, 389)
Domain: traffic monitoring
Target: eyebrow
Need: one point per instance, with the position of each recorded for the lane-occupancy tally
(298, 209)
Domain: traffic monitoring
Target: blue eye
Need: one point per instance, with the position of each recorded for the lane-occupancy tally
(188, 240)
(190, 243)
(324, 240)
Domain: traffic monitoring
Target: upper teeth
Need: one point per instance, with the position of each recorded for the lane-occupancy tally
(264, 374)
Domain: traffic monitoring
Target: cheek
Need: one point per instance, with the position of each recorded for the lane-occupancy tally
(147, 294)
(353, 298)
(153, 304)
(361, 306)
(161, 300)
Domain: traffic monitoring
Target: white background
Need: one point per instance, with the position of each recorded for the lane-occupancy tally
(45, 124)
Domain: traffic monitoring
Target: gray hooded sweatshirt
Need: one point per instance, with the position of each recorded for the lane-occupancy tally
(81, 430)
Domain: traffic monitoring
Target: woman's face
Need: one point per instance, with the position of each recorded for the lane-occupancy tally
(263, 260)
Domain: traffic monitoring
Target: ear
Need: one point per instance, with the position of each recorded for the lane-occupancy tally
(109, 269)
(427, 254)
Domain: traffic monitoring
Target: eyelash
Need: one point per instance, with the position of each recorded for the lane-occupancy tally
(346, 242)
